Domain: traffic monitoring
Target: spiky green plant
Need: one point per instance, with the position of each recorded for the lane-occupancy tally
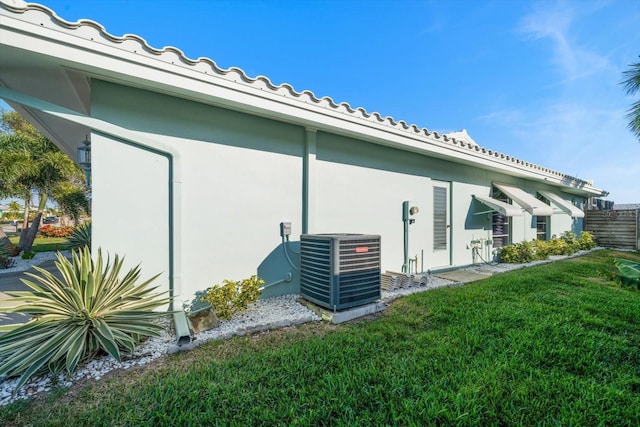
(81, 236)
(88, 311)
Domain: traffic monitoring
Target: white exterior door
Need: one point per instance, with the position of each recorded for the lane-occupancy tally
(441, 248)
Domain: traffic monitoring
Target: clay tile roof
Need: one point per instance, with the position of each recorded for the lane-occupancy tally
(175, 57)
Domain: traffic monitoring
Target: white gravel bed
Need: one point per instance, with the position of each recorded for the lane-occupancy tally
(265, 314)
(433, 282)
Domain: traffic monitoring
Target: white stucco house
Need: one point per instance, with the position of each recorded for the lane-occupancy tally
(221, 159)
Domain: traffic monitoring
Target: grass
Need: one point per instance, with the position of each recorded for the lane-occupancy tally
(45, 244)
(556, 344)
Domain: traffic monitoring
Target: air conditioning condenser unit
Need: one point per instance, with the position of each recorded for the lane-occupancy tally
(339, 271)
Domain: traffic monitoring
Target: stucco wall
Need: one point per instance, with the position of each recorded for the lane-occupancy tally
(238, 176)
(130, 206)
(239, 180)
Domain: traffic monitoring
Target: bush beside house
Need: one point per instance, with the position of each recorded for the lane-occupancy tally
(567, 244)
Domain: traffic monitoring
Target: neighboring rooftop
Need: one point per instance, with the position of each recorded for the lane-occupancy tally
(626, 206)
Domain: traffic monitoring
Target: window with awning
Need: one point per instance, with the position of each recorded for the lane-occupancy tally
(528, 202)
(503, 208)
(501, 224)
(564, 205)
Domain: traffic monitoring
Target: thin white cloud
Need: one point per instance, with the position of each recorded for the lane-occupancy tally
(505, 116)
(580, 128)
(553, 21)
(586, 141)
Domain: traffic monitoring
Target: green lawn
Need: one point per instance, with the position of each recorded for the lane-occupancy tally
(45, 244)
(556, 344)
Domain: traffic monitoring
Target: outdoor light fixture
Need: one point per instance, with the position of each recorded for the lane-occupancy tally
(84, 153)
(84, 158)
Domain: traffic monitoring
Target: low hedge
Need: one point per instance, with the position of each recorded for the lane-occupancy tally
(568, 243)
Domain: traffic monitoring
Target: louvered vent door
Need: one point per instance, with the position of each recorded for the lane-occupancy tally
(441, 224)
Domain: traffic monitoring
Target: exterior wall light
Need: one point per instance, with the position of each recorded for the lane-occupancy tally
(84, 153)
(84, 158)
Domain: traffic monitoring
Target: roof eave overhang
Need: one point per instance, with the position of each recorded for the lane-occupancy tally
(86, 50)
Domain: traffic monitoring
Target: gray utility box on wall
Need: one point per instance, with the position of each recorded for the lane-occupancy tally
(340, 271)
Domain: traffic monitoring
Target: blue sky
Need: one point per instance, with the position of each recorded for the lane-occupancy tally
(538, 80)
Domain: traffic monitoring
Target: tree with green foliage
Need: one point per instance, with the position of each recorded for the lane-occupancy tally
(32, 164)
(632, 84)
(72, 200)
(14, 209)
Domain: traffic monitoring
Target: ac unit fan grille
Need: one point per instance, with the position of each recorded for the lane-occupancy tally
(340, 271)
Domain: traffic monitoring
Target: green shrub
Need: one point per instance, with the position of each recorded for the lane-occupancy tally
(526, 251)
(542, 249)
(567, 244)
(587, 241)
(90, 310)
(572, 242)
(559, 247)
(81, 236)
(517, 253)
(28, 255)
(232, 297)
(508, 254)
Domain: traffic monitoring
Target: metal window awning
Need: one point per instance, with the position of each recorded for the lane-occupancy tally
(563, 204)
(527, 201)
(499, 206)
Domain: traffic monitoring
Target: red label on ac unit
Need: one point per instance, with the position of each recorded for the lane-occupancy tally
(362, 249)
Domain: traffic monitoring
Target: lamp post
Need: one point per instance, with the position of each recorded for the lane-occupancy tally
(84, 158)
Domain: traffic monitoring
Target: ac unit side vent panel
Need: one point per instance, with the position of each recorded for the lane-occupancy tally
(340, 271)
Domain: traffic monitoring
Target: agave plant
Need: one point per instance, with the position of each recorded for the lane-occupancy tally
(81, 236)
(88, 311)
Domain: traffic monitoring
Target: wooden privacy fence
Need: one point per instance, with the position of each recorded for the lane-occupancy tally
(614, 228)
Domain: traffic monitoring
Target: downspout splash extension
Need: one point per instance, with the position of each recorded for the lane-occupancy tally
(137, 140)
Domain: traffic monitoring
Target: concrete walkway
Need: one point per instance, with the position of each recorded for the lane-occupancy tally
(11, 282)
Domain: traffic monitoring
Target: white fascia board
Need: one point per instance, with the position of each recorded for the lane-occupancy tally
(527, 201)
(499, 206)
(85, 51)
(563, 204)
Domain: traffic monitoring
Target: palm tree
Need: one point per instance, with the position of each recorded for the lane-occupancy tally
(30, 163)
(13, 166)
(632, 85)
